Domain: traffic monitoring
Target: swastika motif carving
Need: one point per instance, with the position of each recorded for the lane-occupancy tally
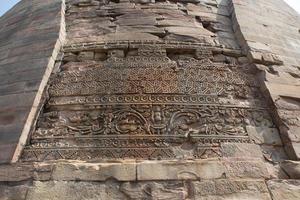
(164, 98)
(139, 107)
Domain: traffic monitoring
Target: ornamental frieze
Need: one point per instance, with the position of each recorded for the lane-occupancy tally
(138, 100)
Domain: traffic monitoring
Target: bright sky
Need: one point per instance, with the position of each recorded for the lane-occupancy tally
(293, 3)
(5, 5)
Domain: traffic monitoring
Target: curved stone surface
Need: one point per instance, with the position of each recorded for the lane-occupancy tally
(29, 43)
(179, 99)
(148, 80)
(271, 40)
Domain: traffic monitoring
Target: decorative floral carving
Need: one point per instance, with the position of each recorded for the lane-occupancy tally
(149, 104)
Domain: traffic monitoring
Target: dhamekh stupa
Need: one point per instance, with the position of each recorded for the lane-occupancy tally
(150, 100)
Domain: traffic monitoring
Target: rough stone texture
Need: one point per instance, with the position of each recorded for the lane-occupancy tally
(272, 39)
(164, 190)
(263, 135)
(15, 172)
(131, 170)
(241, 150)
(292, 168)
(185, 99)
(13, 192)
(181, 170)
(29, 43)
(151, 81)
(245, 168)
(123, 171)
(284, 189)
(73, 191)
(231, 189)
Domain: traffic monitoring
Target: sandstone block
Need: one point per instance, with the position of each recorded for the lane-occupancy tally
(287, 103)
(265, 58)
(264, 135)
(241, 150)
(275, 171)
(293, 133)
(282, 78)
(231, 189)
(70, 57)
(13, 192)
(283, 90)
(293, 150)
(243, 60)
(59, 190)
(284, 189)
(292, 168)
(130, 36)
(259, 46)
(85, 55)
(42, 171)
(245, 168)
(157, 190)
(75, 170)
(15, 172)
(274, 154)
(176, 170)
(100, 56)
(7, 151)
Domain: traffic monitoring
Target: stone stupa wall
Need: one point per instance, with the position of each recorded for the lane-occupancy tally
(154, 100)
(30, 40)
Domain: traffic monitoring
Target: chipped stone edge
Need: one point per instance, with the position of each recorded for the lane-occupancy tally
(36, 103)
(265, 58)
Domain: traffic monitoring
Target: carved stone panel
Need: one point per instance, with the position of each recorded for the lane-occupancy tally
(169, 91)
(156, 104)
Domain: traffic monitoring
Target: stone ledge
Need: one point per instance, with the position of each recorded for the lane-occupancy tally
(133, 170)
(266, 58)
(220, 189)
(125, 171)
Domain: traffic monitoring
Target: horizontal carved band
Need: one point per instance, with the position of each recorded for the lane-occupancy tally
(136, 44)
(134, 99)
(131, 153)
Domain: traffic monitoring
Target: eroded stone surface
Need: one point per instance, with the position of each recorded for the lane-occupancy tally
(263, 135)
(174, 170)
(131, 170)
(23, 73)
(292, 168)
(183, 87)
(214, 189)
(73, 191)
(284, 189)
(15, 172)
(236, 168)
(277, 55)
(241, 150)
(13, 192)
(155, 190)
(123, 171)
(231, 189)
(149, 80)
